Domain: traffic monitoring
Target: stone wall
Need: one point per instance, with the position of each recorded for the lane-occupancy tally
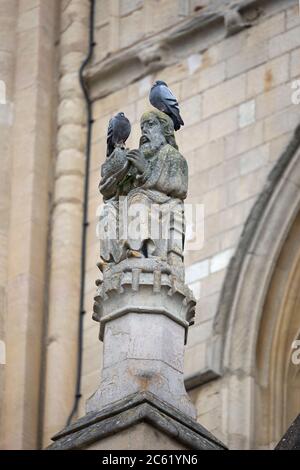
(235, 93)
(28, 41)
(66, 221)
(7, 35)
(235, 97)
(120, 24)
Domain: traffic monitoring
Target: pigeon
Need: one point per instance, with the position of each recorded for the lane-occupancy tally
(119, 129)
(163, 99)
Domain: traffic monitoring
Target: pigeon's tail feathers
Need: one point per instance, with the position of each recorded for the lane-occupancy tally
(180, 120)
(109, 140)
(110, 148)
(173, 112)
(177, 123)
(127, 132)
(162, 98)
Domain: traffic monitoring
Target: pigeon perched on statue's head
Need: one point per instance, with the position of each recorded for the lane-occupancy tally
(163, 99)
(119, 129)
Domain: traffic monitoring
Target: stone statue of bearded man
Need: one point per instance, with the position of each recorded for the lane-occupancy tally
(143, 191)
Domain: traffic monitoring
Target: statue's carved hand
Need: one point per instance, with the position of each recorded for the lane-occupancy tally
(138, 160)
(108, 183)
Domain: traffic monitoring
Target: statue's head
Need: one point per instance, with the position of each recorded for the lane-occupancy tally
(157, 130)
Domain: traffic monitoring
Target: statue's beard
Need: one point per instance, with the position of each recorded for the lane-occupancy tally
(150, 148)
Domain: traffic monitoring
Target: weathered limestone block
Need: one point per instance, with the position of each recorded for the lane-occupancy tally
(71, 111)
(69, 86)
(69, 63)
(72, 38)
(70, 161)
(70, 183)
(70, 136)
(66, 219)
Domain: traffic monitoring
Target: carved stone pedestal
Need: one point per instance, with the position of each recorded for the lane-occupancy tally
(144, 313)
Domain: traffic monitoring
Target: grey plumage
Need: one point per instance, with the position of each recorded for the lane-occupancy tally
(163, 99)
(119, 129)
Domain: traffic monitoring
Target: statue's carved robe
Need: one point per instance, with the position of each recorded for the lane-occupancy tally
(149, 216)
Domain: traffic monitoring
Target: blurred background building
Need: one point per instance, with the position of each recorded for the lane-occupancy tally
(234, 68)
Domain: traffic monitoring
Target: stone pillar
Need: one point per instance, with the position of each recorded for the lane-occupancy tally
(62, 335)
(144, 315)
(8, 20)
(31, 152)
(141, 402)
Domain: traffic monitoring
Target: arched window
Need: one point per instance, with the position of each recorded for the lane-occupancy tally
(278, 371)
(260, 320)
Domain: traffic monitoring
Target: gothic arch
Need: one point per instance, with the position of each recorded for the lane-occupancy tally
(277, 377)
(243, 298)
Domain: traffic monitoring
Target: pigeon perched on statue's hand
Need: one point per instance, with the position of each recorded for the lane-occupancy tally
(119, 129)
(163, 99)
